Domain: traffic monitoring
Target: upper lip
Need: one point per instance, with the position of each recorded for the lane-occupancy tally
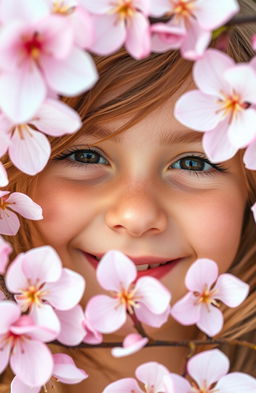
(141, 260)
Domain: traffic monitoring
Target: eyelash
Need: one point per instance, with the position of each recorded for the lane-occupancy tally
(203, 160)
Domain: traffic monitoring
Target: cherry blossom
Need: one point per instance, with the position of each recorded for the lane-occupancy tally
(38, 53)
(201, 304)
(28, 148)
(148, 299)
(131, 344)
(21, 342)
(151, 375)
(165, 36)
(20, 203)
(223, 107)
(5, 250)
(119, 22)
(209, 373)
(198, 18)
(40, 284)
(64, 370)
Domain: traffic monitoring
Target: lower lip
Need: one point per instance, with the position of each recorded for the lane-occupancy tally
(157, 272)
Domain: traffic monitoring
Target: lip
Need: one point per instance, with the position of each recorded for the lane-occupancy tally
(156, 272)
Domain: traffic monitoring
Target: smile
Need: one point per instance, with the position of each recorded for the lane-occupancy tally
(146, 266)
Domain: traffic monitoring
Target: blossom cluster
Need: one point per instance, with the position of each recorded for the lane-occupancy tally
(45, 307)
(46, 52)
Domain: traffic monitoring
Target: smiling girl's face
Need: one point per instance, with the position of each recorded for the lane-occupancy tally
(149, 192)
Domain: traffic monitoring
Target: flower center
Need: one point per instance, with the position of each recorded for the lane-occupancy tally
(33, 46)
(33, 295)
(202, 389)
(124, 8)
(231, 105)
(127, 298)
(3, 204)
(60, 7)
(183, 8)
(206, 297)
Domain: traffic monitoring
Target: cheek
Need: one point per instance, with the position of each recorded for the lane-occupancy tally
(214, 228)
(65, 211)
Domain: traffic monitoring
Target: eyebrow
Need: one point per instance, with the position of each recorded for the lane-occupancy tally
(177, 137)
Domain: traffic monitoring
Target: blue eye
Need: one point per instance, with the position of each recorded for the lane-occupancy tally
(195, 164)
(83, 156)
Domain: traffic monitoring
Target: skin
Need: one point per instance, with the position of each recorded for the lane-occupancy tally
(141, 201)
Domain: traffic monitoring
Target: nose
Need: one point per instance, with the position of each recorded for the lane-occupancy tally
(136, 213)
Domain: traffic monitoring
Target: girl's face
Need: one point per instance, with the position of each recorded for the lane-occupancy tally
(149, 192)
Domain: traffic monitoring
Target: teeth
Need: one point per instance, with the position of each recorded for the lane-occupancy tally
(142, 267)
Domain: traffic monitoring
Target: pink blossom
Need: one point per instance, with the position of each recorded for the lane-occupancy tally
(64, 370)
(165, 37)
(148, 299)
(21, 343)
(209, 373)
(223, 107)
(201, 304)
(119, 22)
(5, 250)
(131, 344)
(20, 203)
(40, 284)
(198, 18)
(151, 374)
(3, 176)
(38, 53)
(28, 148)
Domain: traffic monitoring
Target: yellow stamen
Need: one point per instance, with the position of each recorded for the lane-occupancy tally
(128, 299)
(124, 9)
(59, 7)
(231, 105)
(183, 8)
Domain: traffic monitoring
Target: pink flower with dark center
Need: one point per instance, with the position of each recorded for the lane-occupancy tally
(20, 203)
(148, 299)
(21, 343)
(40, 284)
(119, 22)
(198, 18)
(200, 305)
(223, 108)
(209, 372)
(38, 53)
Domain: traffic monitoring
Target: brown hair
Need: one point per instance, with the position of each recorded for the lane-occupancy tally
(140, 87)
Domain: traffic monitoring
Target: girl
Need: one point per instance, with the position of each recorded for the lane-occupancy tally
(136, 180)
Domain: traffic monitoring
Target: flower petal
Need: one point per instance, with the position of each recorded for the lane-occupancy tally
(3, 176)
(217, 145)
(66, 371)
(56, 118)
(27, 11)
(195, 42)
(242, 78)
(101, 7)
(231, 290)
(197, 110)
(242, 129)
(9, 223)
(152, 374)
(27, 360)
(72, 76)
(152, 294)
(24, 205)
(10, 312)
(250, 156)
(65, 293)
(203, 272)
(208, 72)
(19, 387)
(5, 350)
(208, 366)
(137, 40)
(175, 383)
(29, 153)
(237, 383)
(210, 15)
(124, 385)
(146, 316)
(115, 271)
(186, 310)
(25, 89)
(72, 329)
(48, 324)
(211, 320)
(131, 344)
(105, 314)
